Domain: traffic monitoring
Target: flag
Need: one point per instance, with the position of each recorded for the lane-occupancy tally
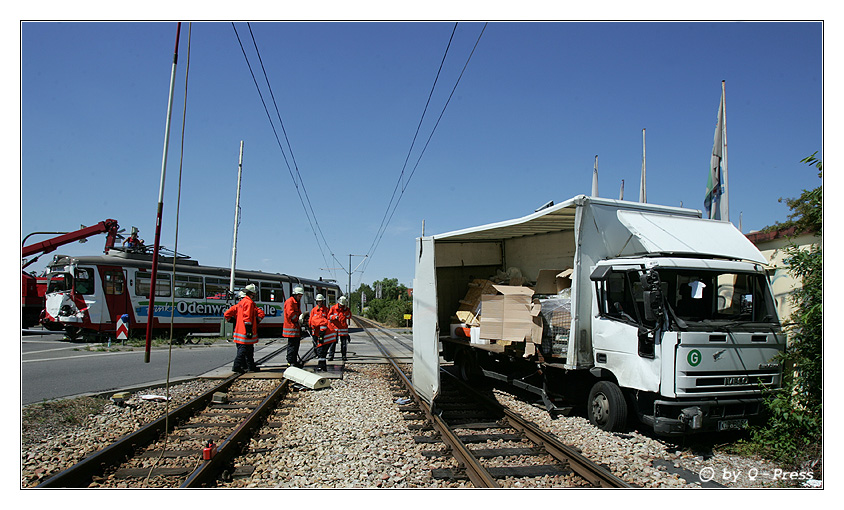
(715, 201)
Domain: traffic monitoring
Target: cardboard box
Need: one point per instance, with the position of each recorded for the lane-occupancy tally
(470, 306)
(511, 315)
(552, 281)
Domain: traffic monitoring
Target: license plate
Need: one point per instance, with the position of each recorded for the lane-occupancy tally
(732, 424)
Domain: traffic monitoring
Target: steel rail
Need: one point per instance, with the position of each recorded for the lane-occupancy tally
(477, 474)
(82, 473)
(594, 473)
(207, 472)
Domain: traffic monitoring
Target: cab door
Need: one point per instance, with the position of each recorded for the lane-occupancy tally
(116, 296)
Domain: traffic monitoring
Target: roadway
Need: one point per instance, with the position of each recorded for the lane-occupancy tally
(52, 368)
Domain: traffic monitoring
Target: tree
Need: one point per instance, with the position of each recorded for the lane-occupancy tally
(389, 308)
(795, 428)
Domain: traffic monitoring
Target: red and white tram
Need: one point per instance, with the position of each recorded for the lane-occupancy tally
(87, 296)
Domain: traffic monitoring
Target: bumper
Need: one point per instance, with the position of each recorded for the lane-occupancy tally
(684, 417)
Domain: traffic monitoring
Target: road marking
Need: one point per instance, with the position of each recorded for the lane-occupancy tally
(50, 350)
(82, 356)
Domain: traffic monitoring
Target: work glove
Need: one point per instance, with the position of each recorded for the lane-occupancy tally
(249, 330)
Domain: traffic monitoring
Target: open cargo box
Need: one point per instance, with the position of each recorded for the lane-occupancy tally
(553, 281)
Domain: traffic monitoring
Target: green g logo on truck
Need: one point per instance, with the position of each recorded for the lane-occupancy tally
(694, 357)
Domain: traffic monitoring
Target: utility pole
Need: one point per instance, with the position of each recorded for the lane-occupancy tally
(349, 272)
(236, 217)
(349, 288)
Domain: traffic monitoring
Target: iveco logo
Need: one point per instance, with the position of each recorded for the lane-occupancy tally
(733, 381)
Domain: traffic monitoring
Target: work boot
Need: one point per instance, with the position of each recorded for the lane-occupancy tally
(322, 367)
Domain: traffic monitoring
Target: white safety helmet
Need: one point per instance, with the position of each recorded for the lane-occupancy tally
(298, 290)
(320, 297)
(342, 300)
(250, 289)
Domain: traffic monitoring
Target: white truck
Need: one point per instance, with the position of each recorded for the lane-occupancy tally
(671, 319)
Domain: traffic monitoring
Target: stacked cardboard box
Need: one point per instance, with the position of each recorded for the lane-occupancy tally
(470, 306)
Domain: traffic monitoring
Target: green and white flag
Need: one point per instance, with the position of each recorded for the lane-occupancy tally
(716, 201)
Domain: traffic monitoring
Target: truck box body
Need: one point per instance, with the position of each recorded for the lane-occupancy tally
(609, 245)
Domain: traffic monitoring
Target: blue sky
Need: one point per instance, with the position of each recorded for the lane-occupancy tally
(536, 104)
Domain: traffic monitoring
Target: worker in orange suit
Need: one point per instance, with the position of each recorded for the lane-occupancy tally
(338, 321)
(323, 336)
(291, 330)
(247, 315)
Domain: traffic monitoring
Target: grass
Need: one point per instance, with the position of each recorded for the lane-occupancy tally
(39, 420)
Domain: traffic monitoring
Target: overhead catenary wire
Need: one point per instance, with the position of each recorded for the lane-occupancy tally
(415, 135)
(389, 214)
(298, 184)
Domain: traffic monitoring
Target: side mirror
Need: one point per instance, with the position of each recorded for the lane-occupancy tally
(652, 295)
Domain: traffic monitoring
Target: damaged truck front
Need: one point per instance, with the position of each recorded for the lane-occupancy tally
(628, 310)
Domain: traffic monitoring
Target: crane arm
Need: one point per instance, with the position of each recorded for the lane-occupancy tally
(109, 226)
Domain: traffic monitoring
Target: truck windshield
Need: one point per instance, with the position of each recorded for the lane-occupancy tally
(702, 296)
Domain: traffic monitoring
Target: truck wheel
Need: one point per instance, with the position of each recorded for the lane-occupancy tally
(607, 408)
(465, 362)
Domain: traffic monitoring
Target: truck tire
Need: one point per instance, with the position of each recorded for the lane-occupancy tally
(465, 361)
(607, 408)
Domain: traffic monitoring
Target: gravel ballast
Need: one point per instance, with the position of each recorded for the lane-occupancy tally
(352, 434)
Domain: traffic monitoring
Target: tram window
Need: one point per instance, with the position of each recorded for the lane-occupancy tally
(162, 284)
(84, 280)
(188, 286)
(272, 292)
(309, 296)
(216, 288)
(113, 282)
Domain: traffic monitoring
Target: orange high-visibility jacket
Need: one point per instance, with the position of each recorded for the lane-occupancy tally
(319, 324)
(246, 313)
(338, 318)
(291, 328)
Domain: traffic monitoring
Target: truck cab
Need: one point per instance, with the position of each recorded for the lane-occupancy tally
(691, 340)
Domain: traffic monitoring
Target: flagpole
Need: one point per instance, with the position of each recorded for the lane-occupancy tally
(153, 279)
(595, 178)
(643, 197)
(725, 204)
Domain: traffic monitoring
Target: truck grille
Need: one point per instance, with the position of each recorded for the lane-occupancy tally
(697, 383)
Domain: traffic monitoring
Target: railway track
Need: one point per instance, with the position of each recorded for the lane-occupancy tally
(490, 442)
(171, 451)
